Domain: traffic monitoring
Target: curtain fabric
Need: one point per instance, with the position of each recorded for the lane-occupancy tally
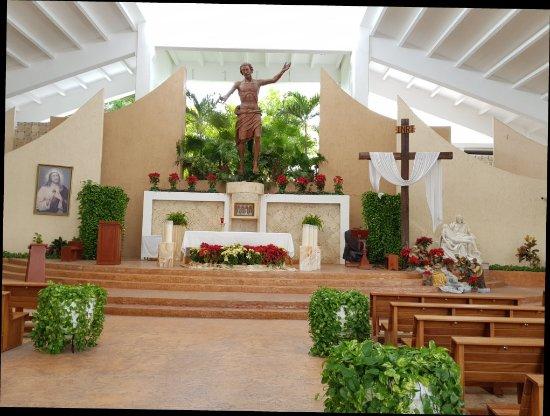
(426, 164)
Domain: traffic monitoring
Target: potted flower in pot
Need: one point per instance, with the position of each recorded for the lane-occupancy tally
(179, 219)
(338, 185)
(173, 179)
(191, 182)
(211, 178)
(36, 265)
(282, 182)
(311, 224)
(154, 178)
(301, 184)
(320, 180)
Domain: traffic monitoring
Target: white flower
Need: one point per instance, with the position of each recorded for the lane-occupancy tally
(341, 314)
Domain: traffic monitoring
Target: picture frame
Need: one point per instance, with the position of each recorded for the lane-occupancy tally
(52, 195)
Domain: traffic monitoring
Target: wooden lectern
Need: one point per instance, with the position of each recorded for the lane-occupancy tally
(109, 243)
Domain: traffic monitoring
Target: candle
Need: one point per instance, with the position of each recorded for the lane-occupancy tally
(167, 231)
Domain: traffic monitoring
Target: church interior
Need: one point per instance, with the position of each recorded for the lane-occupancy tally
(358, 225)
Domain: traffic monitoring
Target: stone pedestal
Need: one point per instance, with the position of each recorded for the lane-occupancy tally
(166, 255)
(177, 239)
(244, 208)
(310, 258)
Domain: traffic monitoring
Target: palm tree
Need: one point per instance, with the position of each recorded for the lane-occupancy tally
(302, 108)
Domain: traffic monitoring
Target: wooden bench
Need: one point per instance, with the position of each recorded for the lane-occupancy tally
(440, 329)
(531, 403)
(380, 302)
(23, 295)
(497, 359)
(402, 314)
(13, 324)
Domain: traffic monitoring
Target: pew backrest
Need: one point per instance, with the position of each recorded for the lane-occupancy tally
(23, 294)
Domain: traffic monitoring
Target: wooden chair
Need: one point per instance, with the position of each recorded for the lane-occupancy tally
(497, 359)
(531, 403)
(401, 319)
(23, 295)
(13, 324)
(380, 302)
(440, 329)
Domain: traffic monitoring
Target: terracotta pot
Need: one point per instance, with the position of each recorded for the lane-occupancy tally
(36, 265)
(177, 238)
(77, 243)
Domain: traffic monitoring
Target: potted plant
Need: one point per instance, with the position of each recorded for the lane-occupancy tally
(180, 222)
(528, 253)
(54, 249)
(154, 178)
(191, 182)
(211, 178)
(301, 184)
(320, 180)
(311, 224)
(36, 265)
(338, 185)
(282, 182)
(173, 179)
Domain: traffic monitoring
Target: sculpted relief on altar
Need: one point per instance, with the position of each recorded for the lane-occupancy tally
(457, 240)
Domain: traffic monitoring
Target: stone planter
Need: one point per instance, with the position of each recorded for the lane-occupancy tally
(522, 279)
(36, 265)
(310, 235)
(177, 238)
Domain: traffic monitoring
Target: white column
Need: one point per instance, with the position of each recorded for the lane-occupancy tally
(144, 56)
(360, 57)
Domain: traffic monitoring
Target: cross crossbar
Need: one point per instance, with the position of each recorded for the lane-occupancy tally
(397, 155)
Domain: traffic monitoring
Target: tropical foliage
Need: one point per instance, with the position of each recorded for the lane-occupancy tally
(121, 102)
(288, 147)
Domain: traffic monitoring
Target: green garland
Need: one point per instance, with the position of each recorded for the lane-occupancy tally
(382, 217)
(373, 378)
(512, 268)
(324, 324)
(98, 202)
(64, 316)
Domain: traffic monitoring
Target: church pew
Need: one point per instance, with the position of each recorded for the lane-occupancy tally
(380, 302)
(13, 324)
(531, 403)
(24, 295)
(402, 314)
(440, 329)
(497, 360)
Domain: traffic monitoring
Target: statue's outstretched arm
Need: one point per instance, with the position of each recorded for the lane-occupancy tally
(276, 77)
(231, 91)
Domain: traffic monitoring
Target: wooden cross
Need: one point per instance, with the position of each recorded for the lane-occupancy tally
(404, 129)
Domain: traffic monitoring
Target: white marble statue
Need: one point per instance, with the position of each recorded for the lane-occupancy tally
(456, 239)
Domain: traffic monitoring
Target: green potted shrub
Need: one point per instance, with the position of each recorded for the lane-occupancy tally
(54, 249)
(311, 224)
(180, 222)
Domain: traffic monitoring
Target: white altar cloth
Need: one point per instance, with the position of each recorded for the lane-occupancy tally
(193, 239)
(150, 246)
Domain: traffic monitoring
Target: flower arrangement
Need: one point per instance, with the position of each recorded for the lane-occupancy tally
(211, 178)
(178, 218)
(237, 254)
(173, 179)
(314, 220)
(338, 185)
(191, 182)
(420, 256)
(528, 253)
(154, 178)
(282, 182)
(301, 184)
(319, 181)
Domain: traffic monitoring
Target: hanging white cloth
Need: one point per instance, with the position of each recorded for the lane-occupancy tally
(382, 164)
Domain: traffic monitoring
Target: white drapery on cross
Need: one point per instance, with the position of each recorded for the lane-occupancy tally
(426, 164)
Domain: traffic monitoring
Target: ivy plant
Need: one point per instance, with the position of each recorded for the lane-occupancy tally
(373, 378)
(336, 315)
(98, 202)
(382, 217)
(68, 314)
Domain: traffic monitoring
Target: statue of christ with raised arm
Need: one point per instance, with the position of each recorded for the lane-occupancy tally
(249, 116)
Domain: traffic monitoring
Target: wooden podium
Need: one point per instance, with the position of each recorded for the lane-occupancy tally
(109, 243)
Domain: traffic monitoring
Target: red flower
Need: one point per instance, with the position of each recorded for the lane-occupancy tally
(302, 180)
(173, 177)
(282, 180)
(406, 252)
(472, 280)
(271, 254)
(447, 261)
(211, 177)
(436, 252)
(154, 175)
(320, 179)
(423, 241)
(192, 180)
(427, 273)
(338, 180)
(415, 261)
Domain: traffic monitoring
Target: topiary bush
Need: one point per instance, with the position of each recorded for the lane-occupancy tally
(68, 314)
(336, 315)
(374, 378)
(98, 202)
(382, 217)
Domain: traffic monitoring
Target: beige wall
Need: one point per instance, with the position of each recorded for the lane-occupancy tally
(443, 131)
(500, 207)
(518, 154)
(139, 139)
(347, 128)
(56, 121)
(9, 131)
(76, 143)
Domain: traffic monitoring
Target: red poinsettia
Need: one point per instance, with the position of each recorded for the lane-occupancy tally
(423, 241)
(173, 178)
(192, 180)
(405, 252)
(414, 261)
(472, 281)
(448, 262)
(301, 183)
(338, 187)
(282, 180)
(211, 177)
(338, 180)
(436, 252)
(271, 254)
(154, 176)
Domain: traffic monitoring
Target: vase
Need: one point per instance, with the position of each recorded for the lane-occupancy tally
(177, 238)
(282, 189)
(191, 188)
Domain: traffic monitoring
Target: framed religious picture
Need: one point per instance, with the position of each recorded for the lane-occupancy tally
(53, 190)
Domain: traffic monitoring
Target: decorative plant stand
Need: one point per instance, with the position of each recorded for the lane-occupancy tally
(310, 253)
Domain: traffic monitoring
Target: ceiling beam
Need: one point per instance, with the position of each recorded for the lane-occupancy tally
(386, 73)
(411, 27)
(81, 83)
(525, 45)
(17, 58)
(487, 36)
(41, 5)
(200, 59)
(511, 118)
(312, 60)
(484, 110)
(104, 73)
(124, 12)
(411, 82)
(534, 129)
(126, 67)
(450, 28)
(379, 15)
(340, 60)
(459, 100)
(435, 91)
(34, 98)
(173, 57)
(59, 90)
(530, 76)
(266, 58)
(83, 8)
(31, 38)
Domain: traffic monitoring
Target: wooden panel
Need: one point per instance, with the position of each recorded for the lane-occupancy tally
(495, 301)
(525, 313)
(482, 312)
(109, 243)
